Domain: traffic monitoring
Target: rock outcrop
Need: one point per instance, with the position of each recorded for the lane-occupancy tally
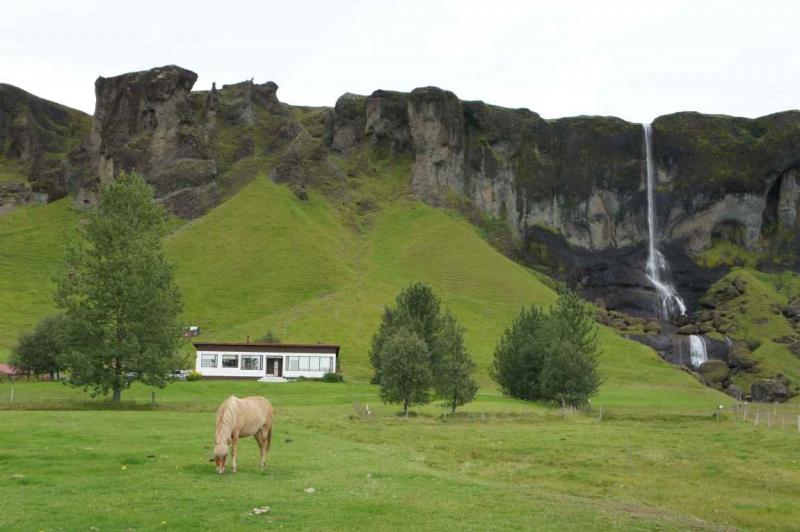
(149, 123)
(38, 134)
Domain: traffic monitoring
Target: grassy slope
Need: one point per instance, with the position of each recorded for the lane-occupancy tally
(31, 247)
(338, 284)
(762, 291)
(266, 260)
(11, 172)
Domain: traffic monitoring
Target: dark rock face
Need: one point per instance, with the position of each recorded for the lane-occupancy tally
(349, 122)
(39, 133)
(770, 391)
(144, 122)
(386, 123)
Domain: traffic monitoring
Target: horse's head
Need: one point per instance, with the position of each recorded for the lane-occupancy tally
(220, 456)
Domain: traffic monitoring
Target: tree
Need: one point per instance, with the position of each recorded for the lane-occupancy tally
(453, 380)
(407, 375)
(520, 353)
(550, 356)
(570, 374)
(42, 350)
(119, 295)
(417, 310)
(270, 338)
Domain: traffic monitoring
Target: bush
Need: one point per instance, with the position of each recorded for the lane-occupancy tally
(332, 377)
(550, 356)
(194, 376)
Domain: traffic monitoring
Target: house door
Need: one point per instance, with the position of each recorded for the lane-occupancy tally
(274, 367)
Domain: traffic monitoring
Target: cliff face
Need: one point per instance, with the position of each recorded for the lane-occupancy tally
(583, 177)
(573, 189)
(39, 134)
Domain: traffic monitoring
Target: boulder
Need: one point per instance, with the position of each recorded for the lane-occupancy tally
(706, 328)
(769, 391)
(620, 325)
(735, 391)
(740, 285)
(775, 308)
(718, 322)
(739, 357)
(794, 347)
(786, 340)
(714, 372)
(689, 329)
(793, 310)
(652, 327)
(704, 316)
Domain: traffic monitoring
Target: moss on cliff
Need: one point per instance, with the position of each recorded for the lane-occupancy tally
(718, 154)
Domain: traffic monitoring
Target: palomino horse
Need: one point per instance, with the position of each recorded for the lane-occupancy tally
(251, 416)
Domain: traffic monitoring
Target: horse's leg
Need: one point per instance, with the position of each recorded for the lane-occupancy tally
(234, 450)
(262, 447)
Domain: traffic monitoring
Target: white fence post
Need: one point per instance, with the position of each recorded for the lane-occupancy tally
(12, 394)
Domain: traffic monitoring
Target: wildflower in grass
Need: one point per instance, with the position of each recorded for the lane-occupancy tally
(124, 467)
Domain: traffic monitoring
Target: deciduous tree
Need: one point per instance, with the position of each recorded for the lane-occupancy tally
(119, 294)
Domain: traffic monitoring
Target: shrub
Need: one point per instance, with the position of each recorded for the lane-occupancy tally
(194, 376)
(332, 377)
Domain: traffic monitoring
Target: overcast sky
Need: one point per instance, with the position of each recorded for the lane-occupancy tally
(632, 59)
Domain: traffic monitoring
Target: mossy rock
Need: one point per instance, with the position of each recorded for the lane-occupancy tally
(715, 372)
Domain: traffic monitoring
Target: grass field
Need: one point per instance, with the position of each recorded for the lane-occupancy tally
(521, 468)
(318, 271)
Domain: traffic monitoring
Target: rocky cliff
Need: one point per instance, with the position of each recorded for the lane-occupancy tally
(572, 190)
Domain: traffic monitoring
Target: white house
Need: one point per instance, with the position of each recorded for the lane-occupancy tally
(269, 362)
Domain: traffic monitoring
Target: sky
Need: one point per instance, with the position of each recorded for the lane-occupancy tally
(632, 59)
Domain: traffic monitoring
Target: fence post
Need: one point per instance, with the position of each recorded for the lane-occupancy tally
(758, 412)
(153, 398)
(769, 421)
(744, 416)
(12, 394)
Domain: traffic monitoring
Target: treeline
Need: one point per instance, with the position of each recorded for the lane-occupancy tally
(419, 353)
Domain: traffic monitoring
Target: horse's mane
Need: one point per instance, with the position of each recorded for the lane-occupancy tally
(226, 418)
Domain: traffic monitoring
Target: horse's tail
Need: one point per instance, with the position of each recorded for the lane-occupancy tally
(269, 438)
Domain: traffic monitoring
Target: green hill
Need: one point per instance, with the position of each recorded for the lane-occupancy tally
(314, 271)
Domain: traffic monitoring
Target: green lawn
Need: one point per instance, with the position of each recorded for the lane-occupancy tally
(501, 465)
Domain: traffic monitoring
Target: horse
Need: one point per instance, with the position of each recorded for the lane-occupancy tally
(251, 416)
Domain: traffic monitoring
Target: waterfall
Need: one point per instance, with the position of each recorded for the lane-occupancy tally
(697, 350)
(670, 302)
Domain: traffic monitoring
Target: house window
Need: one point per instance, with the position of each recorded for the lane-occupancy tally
(325, 363)
(230, 361)
(293, 363)
(303, 363)
(252, 362)
(208, 361)
(313, 363)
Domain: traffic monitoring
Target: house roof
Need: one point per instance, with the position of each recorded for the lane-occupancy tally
(8, 370)
(249, 346)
